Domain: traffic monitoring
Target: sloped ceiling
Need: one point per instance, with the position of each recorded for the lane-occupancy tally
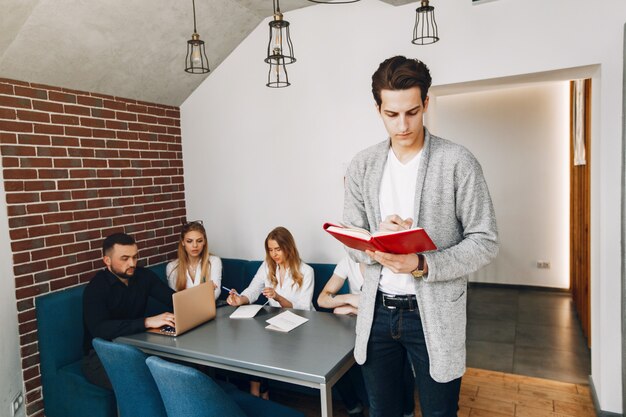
(126, 48)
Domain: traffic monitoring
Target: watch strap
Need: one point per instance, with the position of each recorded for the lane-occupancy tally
(419, 271)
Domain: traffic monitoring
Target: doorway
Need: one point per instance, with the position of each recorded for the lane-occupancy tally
(529, 173)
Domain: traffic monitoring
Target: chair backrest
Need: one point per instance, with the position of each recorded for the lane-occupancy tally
(60, 313)
(189, 392)
(136, 393)
(159, 271)
(60, 335)
(233, 275)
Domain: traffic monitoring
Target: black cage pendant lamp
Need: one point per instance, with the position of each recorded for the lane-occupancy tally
(196, 61)
(333, 1)
(425, 31)
(279, 48)
(277, 76)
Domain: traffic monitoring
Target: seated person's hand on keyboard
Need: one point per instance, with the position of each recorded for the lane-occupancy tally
(164, 319)
(168, 329)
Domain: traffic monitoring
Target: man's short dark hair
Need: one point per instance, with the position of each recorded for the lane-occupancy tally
(116, 239)
(401, 73)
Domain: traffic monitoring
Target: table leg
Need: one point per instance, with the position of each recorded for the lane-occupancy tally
(326, 396)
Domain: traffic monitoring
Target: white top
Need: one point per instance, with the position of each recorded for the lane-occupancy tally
(397, 196)
(347, 268)
(300, 297)
(171, 272)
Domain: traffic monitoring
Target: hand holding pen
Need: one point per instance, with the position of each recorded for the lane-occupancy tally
(234, 299)
(230, 290)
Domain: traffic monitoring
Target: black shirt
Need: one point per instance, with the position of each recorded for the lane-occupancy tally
(112, 309)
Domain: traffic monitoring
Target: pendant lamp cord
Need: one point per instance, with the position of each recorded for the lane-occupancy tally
(194, 16)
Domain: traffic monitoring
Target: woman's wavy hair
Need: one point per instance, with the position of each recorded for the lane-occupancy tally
(183, 258)
(287, 245)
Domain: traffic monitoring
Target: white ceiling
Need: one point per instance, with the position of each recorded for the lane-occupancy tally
(127, 48)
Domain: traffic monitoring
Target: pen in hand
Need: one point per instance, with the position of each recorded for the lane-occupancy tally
(230, 290)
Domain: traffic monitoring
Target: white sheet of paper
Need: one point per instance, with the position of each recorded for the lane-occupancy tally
(285, 321)
(246, 312)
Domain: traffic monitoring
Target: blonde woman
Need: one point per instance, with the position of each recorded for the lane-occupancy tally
(283, 278)
(195, 265)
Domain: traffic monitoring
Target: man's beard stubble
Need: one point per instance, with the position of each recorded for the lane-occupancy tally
(125, 274)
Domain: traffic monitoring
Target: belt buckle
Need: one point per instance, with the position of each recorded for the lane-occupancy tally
(385, 304)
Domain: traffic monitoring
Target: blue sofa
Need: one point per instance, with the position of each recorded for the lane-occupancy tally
(66, 392)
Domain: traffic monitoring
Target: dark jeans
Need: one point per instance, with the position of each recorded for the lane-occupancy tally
(94, 370)
(346, 387)
(395, 334)
(352, 382)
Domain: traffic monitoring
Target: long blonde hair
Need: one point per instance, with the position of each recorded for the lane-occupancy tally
(183, 258)
(287, 245)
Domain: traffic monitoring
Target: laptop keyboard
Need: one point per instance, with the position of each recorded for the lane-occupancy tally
(168, 330)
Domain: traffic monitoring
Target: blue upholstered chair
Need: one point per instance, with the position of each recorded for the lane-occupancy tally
(136, 393)
(66, 391)
(188, 392)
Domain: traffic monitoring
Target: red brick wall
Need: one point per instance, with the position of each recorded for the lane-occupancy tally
(77, 167)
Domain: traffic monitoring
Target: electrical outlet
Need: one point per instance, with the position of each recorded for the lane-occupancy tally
(16, 403)
(543, 264)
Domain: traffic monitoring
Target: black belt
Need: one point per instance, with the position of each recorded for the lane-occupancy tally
(401, 302)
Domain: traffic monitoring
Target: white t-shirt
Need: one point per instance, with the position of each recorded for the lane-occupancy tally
(300, 297)
(171, 271)
(347, 268)
(397, 196)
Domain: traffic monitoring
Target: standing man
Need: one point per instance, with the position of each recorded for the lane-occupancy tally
(416, 303)
(115, 300)
(349, 304)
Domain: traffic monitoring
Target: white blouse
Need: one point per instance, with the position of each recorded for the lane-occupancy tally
(300, 297)
(171, 271)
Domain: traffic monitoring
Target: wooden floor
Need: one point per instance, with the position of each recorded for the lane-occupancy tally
(491, 394)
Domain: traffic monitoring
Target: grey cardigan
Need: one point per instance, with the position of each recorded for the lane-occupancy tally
(452, 203)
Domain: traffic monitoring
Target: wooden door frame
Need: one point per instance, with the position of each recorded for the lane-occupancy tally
(580, 216)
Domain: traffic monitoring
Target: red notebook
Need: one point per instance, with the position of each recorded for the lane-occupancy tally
(405, 241)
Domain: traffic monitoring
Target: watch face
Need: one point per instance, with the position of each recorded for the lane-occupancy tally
(417, 273)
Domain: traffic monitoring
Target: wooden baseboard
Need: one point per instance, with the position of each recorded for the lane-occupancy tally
(516, 287)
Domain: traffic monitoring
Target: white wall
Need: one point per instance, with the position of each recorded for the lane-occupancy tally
(520, 135)
(256, 157)
(10, 367)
